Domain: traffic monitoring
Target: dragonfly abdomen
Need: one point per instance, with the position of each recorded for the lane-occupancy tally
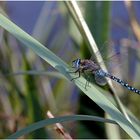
(126, 85)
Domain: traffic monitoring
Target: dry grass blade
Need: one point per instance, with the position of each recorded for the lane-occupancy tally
(133, 21)
(59, 128)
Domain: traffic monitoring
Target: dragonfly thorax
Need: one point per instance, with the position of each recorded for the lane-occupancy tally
(89, 65)
(85, 65)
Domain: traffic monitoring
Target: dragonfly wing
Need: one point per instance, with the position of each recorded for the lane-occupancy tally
(101, 80)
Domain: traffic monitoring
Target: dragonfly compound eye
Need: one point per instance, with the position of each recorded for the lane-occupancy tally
(76, 63)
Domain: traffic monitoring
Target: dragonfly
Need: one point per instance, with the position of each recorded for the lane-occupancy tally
(87, 65)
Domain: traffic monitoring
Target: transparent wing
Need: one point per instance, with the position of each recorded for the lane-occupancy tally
(100, 80)
(121, 60)
(115, 56)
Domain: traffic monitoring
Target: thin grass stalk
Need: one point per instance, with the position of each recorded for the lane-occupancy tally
(133, 21)
(85, 32)
(35, 72)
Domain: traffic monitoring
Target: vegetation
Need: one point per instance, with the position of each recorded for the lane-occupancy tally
(35, 94)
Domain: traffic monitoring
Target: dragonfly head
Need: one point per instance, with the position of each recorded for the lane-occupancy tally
(76, 63)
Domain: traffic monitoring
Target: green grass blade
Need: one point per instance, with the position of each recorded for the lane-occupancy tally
(92, 92)
(46, 122)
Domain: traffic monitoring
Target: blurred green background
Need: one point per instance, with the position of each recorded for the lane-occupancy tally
(26, 97)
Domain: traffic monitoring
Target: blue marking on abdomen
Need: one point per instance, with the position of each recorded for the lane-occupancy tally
(126, 85)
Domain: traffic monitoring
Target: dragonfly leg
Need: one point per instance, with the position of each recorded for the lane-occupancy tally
(88, 79)
(76, 72)
(79, 71)
(87, 82)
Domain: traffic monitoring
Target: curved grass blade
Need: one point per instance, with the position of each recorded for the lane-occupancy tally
(46, 122)
(92, 92)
